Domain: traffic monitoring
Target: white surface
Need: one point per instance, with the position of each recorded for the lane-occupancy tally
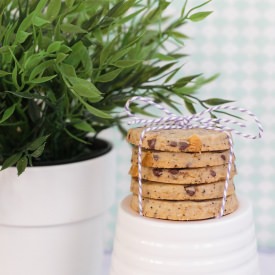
(216, 246)
(52, 218)
(266, 260)
(267, 263)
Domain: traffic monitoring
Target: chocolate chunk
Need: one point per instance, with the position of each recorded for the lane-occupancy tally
(156, 157)
(223, 157)
(212, 173)
(190, 190)
(151, 143)
(173, 171)
(173, 144)
(157, 172)
(183, 145)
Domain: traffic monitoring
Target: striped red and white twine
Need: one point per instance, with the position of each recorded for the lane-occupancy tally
(172, 121)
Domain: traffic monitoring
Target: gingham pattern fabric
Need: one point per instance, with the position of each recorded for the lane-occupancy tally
(238, 41)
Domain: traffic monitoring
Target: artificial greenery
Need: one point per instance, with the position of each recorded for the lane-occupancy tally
(68, 66)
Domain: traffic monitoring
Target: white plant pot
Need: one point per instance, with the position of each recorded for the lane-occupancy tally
(51, 217)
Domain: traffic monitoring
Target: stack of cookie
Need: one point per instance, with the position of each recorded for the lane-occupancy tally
(183, 173)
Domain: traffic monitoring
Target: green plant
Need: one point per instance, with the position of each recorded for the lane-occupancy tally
(67, 67)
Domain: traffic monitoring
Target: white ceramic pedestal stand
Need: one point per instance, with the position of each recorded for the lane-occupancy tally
(145, 246)
(51, 217)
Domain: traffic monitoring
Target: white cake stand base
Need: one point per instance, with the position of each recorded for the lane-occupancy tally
(145, 246)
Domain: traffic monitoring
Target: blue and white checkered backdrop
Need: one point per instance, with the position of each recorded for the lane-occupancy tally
(238, 41)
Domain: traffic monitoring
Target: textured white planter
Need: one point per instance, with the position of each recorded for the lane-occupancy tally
(145, 246)
(51, 217)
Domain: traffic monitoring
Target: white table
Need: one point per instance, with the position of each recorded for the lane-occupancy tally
(267, 263)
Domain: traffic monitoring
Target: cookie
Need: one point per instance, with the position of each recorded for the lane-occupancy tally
(181, 140)
(160, 159)
(164, 191)
(183, 176)
(184, 210)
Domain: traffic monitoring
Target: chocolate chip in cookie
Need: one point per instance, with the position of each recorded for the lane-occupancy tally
(151, 143)
(183, 145)
(173, 143)
(190, 190)
(212, 173)
(157, 172)
(173, 171)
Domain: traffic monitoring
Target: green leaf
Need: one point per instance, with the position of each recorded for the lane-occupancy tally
(183, 8)
(228, 114)
(216, 101)
(69, 3)
(85, 89)
(39, 151)
(80, 56)
(141, 111)
(163, 57)
(109, 76)
(26, 95)
(119, 54)
(75, 137)
(106, 52)
(65, 49)
(126, 63)
(161, 70)
(172, 74)
(168, 101)
(60, 57)
(26, 23)
(53, 9)
(185, 80)
(96, 112)
(21, 36)
(37, 143)
(120, 8)
(186, 90)
(179, 35)
(84, 126)
(42, 79)
(68, 70)
(202, 80)
(196, 17)
(8, 113)
(131, 16)
(4, 50)
(39, 70)
(39, 22)
(21, 165)
(3, 73)
(14, 77)
(70, 28)
(33, 60)
(54, 47)
(98, 35)
(11, 160)
(190, 106)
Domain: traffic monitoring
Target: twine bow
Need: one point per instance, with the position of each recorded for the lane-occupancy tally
(172, 121)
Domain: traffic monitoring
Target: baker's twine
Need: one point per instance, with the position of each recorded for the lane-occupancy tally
(173, 121)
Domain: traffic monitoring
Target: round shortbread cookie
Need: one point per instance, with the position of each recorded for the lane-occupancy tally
(164, 191)
(181, 140)
(160, 159)
(184, 210)
(183, 176)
